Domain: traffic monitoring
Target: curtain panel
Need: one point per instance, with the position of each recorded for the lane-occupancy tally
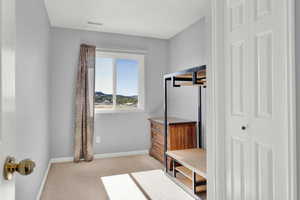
(84, 115)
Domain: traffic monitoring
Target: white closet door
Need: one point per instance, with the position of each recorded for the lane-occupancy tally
(256, 141)
(268, 125)
(237, 101)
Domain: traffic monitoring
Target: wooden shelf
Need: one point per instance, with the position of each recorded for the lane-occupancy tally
(188, 77)
(192, 159)
(189, 174)
(188, 73)
(171, 121)
(188, 183)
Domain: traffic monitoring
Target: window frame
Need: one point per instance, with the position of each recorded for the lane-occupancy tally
(140, 58)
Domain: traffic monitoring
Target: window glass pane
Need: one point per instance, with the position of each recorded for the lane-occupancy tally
(127, 83)
(104, 83)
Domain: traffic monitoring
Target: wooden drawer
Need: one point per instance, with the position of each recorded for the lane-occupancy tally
(159, 140)
(160, 156)
(156, 153)
(159, 148)
(157, 137)
(180, 136)
(156, 127)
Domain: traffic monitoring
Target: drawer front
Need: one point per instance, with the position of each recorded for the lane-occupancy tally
(157, 154)
(180, 136)
(158, 138)
(157, 141)
(159, 148)
(156, 127)
(157, 145)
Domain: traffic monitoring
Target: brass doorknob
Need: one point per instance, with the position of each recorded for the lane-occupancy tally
(25, 167)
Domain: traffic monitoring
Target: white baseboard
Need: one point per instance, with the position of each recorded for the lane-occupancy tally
(43, 181)
(96, 156)
(105, 155)
(121, 154)
(61, 159)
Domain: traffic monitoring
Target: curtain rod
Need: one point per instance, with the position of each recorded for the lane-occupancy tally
(122, 51)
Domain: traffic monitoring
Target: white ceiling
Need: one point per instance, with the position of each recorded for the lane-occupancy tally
(150, 18)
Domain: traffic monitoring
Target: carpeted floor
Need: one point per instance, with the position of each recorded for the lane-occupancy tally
(70, 181)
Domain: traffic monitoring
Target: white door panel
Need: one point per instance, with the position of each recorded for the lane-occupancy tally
(268, 123)
(7, 92)
(237, 143)
(255, 81)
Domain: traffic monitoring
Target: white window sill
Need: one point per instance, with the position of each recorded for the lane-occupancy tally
(111, 111)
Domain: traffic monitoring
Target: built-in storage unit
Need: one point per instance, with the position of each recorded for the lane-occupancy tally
(182, 135)
(188, 167)
(191, 163)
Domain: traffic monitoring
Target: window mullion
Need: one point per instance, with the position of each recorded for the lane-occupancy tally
(114, 83)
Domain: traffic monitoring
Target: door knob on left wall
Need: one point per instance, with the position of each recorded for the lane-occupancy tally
(25, 167)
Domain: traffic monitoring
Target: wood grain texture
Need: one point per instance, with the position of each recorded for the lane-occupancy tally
(181, 135)
(188, 183)
(189, 174)
(171, 121)
(193, 159)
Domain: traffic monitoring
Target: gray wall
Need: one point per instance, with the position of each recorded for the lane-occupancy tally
(32, 93)
(188, 49)
(298, 85)
(118, 132)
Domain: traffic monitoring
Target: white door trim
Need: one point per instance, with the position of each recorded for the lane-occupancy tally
(291, 98)
(216, 95)
(216, 105)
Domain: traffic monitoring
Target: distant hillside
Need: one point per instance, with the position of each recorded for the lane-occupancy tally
(102, 98)
(98, 93)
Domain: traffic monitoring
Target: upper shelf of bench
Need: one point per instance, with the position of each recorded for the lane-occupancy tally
(171, 120)
(192, 76)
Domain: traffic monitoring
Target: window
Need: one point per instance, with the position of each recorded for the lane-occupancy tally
(119, 82)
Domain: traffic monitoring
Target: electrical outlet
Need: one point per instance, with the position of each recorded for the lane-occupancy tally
(98, 139)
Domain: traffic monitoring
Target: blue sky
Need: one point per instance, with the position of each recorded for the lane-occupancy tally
(127, 76)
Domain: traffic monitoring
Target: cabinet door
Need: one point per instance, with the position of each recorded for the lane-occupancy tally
(256, 141)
